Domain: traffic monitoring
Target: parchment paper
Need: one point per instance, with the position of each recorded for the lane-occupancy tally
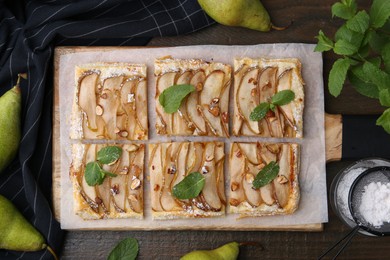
(313, 203)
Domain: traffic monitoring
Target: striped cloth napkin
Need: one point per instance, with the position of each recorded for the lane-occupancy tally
(29, 30)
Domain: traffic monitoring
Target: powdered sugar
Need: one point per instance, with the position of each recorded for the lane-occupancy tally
(375, 205)
(344, 187)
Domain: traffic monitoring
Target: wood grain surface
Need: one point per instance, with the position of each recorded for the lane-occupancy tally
(308, 17)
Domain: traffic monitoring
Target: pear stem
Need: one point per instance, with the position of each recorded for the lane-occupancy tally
(52, 252)
(277, 28)
(21, 75)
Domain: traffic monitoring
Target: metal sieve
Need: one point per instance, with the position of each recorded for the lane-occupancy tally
(375, 174)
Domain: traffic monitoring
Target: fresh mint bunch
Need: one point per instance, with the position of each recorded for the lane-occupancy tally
(363, 42)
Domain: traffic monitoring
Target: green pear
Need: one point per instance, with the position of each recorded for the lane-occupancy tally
(226, 252)
(244, 13)
(10, 107)
(16, 233)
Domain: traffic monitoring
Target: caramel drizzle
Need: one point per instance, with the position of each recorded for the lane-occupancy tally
(287, 127)
(191, 126)
(98, 93)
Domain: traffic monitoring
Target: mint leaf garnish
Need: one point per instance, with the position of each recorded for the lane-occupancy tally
(108, 173)
(259, 112)
(109, 154)
(337, 76)
(283, 97)
(170, 99)
(266, 175)
(127, 249)
(189, 187)
(93, 174)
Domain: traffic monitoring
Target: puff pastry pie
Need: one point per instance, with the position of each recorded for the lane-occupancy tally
(204, 111)
(116, 197)
(255, 82)
(281, 196)
(169, 163)
(110, 102)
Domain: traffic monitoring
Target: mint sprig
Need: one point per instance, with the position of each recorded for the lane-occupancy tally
(363, 42)
(266, 175)
(127, 249)
(170, 99)
(109, 154)
(189, 187)
(94, 173)
(281, 98)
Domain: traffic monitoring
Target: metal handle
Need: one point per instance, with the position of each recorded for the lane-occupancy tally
(347, 239)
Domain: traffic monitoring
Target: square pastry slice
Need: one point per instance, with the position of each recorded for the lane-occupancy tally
(110, 102)
(256, 81)
(280, 195)
(202, 112)
(119, 196)
(170, 163)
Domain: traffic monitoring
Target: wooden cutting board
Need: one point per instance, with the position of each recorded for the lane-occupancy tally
(333, 136)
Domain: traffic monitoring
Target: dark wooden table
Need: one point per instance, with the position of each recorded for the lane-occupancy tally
(308, 17)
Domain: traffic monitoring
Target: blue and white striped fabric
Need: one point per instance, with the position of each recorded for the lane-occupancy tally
(29, 30)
